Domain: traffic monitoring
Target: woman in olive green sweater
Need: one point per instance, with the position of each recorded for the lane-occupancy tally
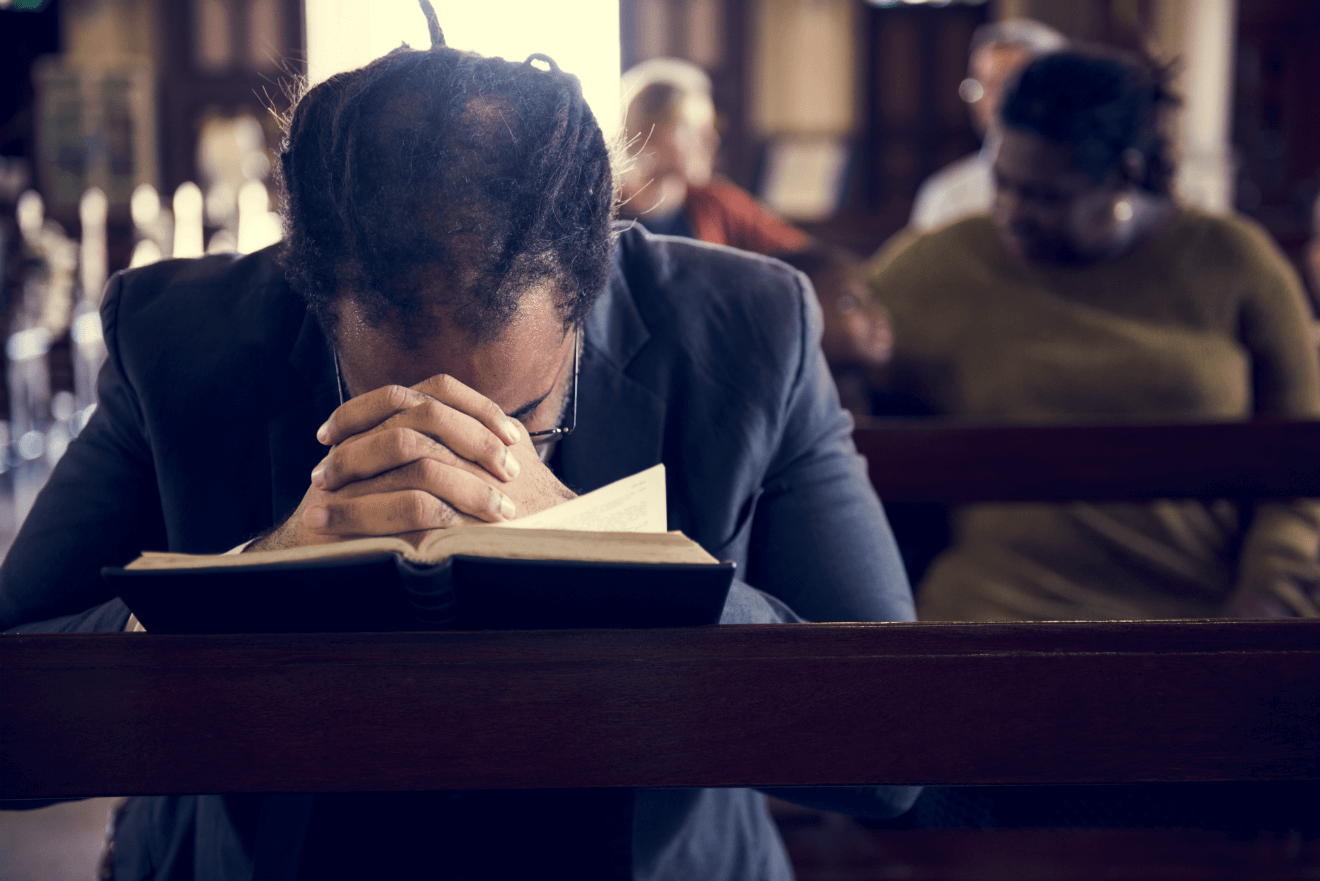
(1090, 296)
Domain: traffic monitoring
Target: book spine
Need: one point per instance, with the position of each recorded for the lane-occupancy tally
(430, 591)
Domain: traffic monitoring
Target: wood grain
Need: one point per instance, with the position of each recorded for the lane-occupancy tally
(789, 705)
(945, 461)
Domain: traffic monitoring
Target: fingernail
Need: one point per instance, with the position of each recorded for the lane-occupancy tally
(511, 464)
(323, 433)
(318, 475)
(316, 518)
(509, 429)
(507, 509)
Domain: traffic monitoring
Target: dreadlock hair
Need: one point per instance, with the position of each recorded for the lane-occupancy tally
(1106, 104)
(440, 185)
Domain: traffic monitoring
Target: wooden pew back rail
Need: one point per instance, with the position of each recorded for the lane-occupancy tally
(719, 706)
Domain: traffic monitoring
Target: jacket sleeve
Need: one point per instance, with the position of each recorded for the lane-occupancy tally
(820, 542)
(100, 507)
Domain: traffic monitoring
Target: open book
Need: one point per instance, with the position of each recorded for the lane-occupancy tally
(603, 559)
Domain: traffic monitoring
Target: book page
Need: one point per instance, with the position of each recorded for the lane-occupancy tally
(344, 550)
(633, 504)
(564, 544)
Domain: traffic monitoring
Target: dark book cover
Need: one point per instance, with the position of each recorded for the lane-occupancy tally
(386, 592)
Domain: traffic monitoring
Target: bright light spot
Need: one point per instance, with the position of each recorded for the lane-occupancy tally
(93, 207)
(31, 213)
(222, 242)
(80, 419)
(56, 444)
(27, 344)
(257, 226)
(221, 203)
(145, 253)
(144, 206)
(344, 34)
(61, 405)
(86, 329)
(31, 445)
(188, 220)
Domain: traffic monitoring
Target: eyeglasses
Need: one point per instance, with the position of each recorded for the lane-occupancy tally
(554, 434)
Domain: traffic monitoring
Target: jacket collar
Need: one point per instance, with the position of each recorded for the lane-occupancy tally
(620, 421)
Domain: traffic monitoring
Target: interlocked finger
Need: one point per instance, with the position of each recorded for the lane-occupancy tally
(373, 454)
(410, 509)
(468, 492)
(367, 411)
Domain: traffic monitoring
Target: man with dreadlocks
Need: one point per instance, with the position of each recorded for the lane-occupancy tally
(451, 301)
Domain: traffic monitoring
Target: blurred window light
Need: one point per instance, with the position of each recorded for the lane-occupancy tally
(804, 176)
(345, 34)
(24, 5)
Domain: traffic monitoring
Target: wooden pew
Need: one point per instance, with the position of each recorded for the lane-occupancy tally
(1109, 702)
(718, 706)
(921, 466)
(932, 460)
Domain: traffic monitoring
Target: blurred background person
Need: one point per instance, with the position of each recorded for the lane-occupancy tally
(999, 50)
(669, 183)
(857, 339)
(1311, 257)
(1091, 296)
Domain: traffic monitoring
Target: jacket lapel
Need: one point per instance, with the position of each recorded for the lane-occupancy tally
(294, 449)
(620, 424)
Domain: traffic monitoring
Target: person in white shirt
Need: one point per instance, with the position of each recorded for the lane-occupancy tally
(965, 186)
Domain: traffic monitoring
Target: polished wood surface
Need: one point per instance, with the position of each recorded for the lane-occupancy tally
(825, 704)
(944, 461)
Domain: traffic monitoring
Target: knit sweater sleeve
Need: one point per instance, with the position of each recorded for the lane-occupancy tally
(1277, 571)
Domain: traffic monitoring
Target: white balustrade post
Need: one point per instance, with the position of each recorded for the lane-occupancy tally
(188, 239)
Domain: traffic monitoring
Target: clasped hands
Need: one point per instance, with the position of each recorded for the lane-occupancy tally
(405, 461)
